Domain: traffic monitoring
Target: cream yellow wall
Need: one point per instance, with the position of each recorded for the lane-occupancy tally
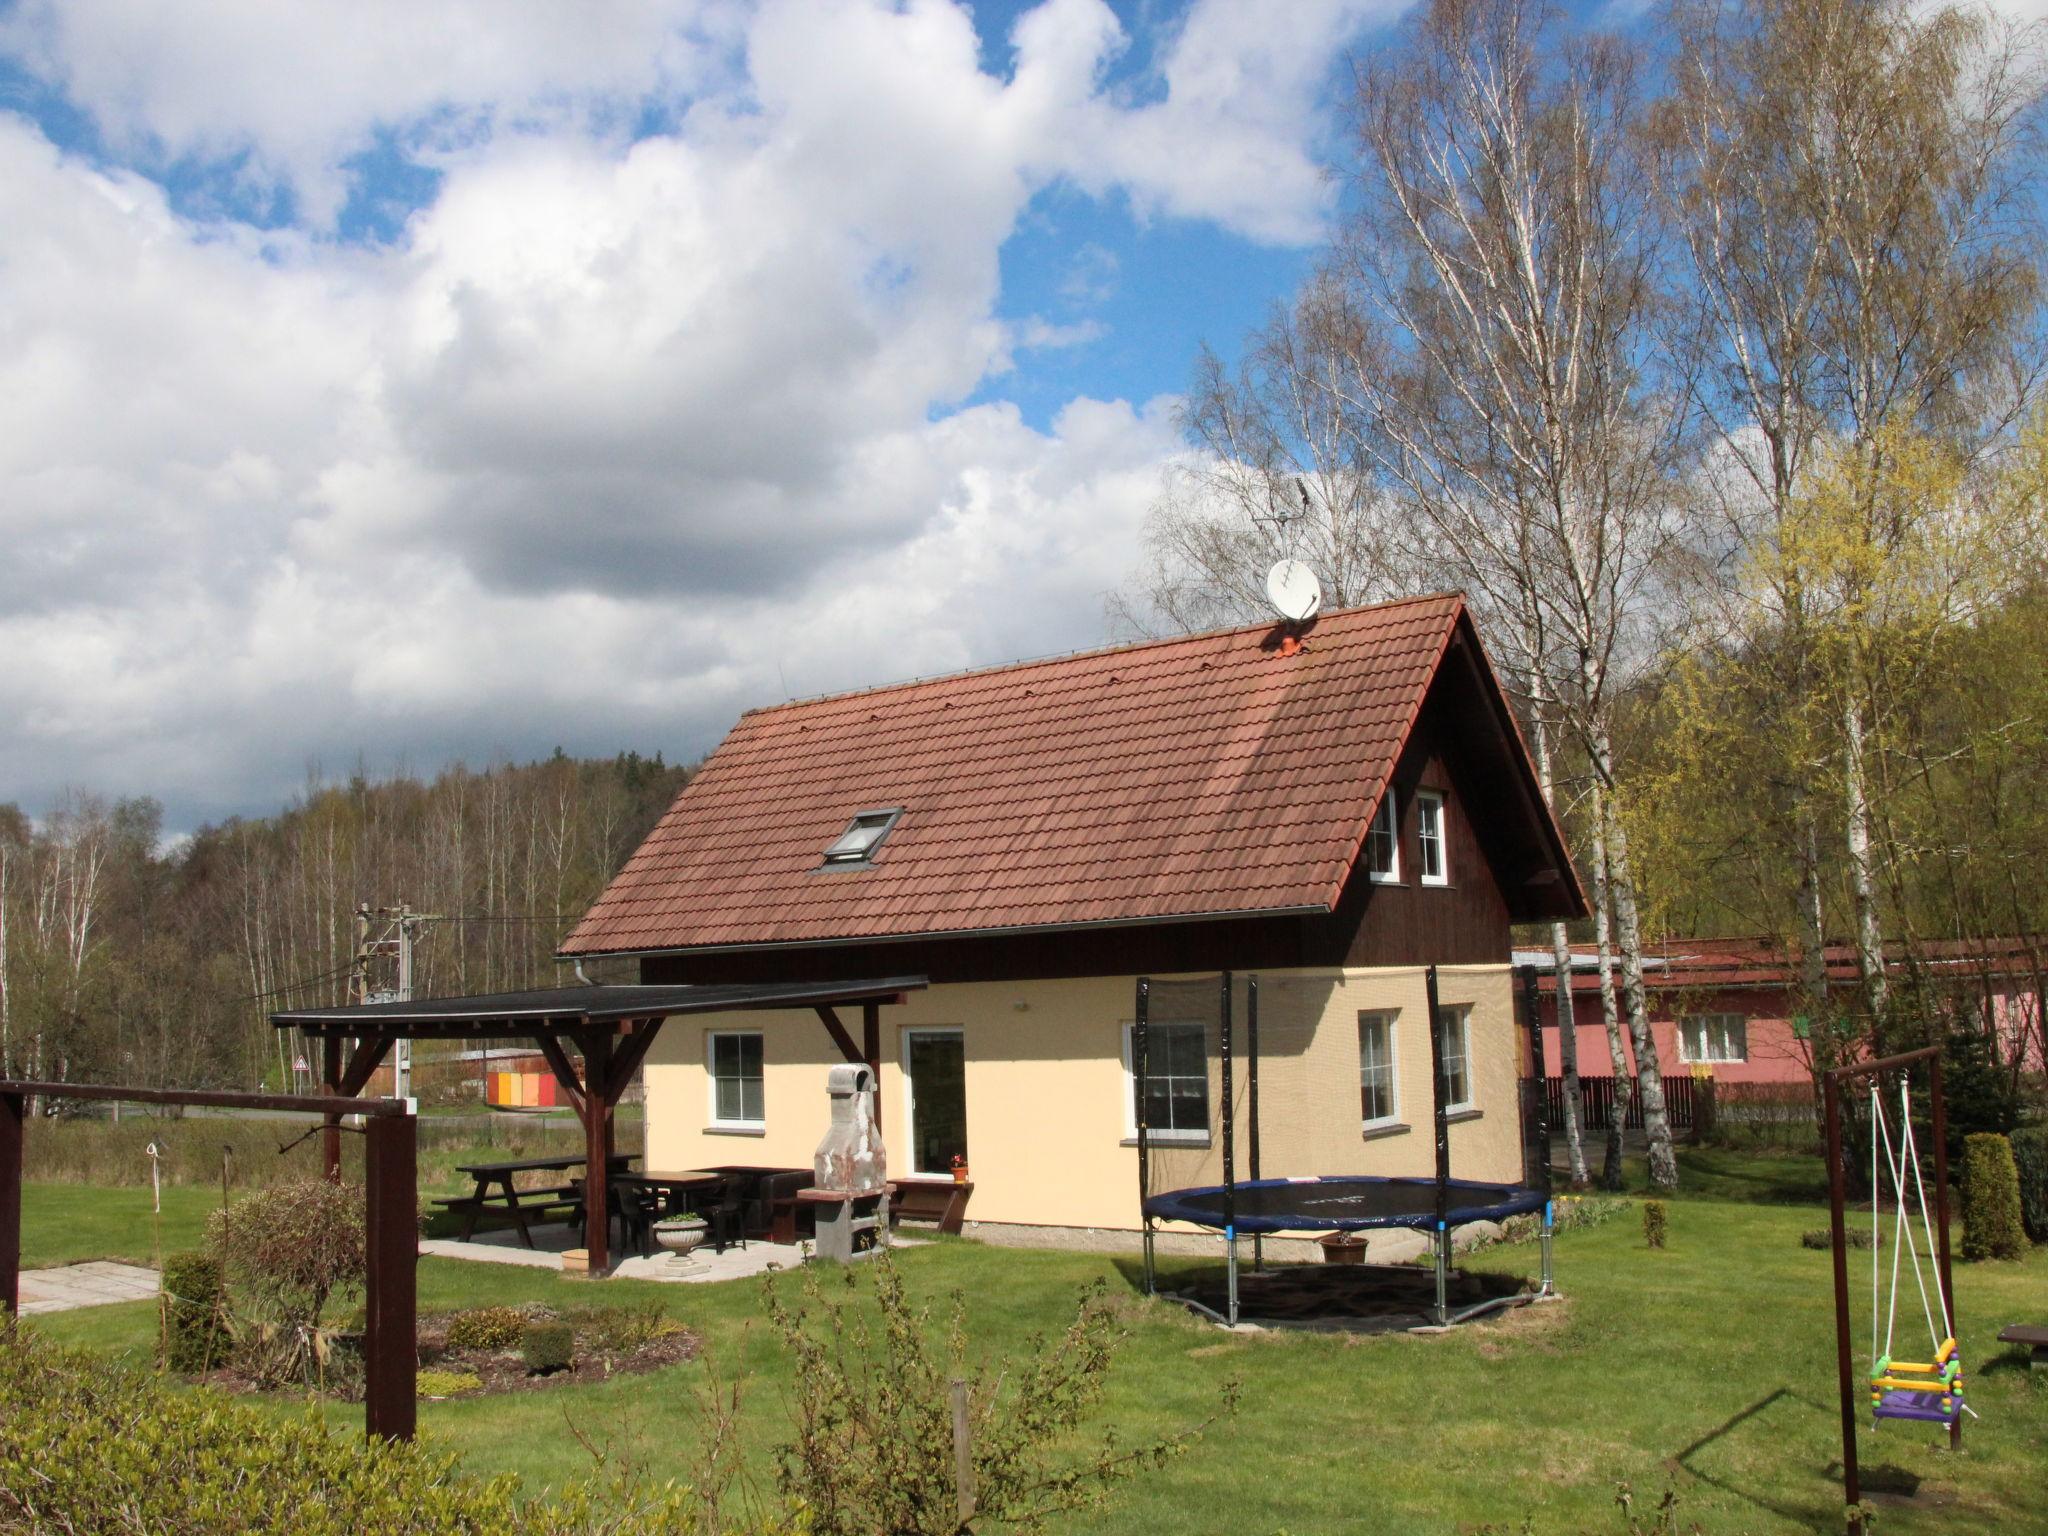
(1046, 1113)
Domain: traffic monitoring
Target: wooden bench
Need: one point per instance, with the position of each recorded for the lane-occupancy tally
(936, 1200)
(521, 1206)
(2037, 1338)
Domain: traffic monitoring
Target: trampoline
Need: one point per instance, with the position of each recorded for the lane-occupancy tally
(1197, 1011)
(1342, 1204)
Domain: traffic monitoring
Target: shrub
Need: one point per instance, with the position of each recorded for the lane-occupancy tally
(548, 1347)
(874, 1437)
(1991, 1200)
(1823, 1238)
(446, 1383)
(2030, 1158)
(487, 1328)
(89, 1445)
(289, 1250)
(1654, 1223)
(619, 1330)
(194, 1311)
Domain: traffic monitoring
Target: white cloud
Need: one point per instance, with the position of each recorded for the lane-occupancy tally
(615, 439)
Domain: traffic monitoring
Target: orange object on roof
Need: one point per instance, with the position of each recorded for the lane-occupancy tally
(1178, 778)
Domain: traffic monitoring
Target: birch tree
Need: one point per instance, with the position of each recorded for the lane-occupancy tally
(1848, 180)
(1507, 259)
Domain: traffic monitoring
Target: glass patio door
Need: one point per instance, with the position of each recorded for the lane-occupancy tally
(935, 1067)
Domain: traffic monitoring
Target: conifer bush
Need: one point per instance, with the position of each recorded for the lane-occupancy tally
(195, 1312)
(548, 1347)
(1991, 1200)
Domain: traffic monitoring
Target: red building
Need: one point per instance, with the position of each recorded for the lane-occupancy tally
(1734, 1006)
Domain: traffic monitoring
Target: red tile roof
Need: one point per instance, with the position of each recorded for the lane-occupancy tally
(1179, 778)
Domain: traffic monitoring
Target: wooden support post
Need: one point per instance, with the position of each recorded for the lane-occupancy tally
(330, 1078)
(1948, 1284)
(363, 1063)
(597, 1145)
(963, 1457)
(1852, 1486)
(565, 1074)
(390, 1349)
(871, 1046)
(13, 1143)
(840, 1038)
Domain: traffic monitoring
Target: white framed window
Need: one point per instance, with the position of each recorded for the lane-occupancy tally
(1454, 1046)
(1429, 836)
(1378, 1092)
(1177, 1081)
(732, 1059)
(1713, 1037)
(1383, 840)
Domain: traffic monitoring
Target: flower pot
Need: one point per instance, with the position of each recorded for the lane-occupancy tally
(680, 1236)
(1343, 1248)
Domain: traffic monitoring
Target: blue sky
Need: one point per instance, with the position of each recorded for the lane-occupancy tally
(410, 380)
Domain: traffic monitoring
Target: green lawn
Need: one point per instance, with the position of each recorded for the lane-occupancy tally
(1708, 1368)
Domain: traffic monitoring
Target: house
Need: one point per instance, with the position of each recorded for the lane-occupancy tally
(1334, 809)
(1735, 1006)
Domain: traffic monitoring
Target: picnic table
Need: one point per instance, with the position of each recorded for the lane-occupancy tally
(496, 1193)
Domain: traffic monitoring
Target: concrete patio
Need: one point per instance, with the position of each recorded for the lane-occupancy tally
(706, 1266)
(97, 1284)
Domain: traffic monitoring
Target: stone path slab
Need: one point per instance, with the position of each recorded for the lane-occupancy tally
(98, 1284)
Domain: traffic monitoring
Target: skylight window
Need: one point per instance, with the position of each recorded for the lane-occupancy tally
(863, 835)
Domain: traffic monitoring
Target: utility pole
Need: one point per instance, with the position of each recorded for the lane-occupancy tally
(397, 932)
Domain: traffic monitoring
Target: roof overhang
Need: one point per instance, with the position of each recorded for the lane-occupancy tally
(949, 935)
(551, 1010)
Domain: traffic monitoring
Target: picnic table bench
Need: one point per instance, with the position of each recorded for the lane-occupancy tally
(2037, 1338)
(496, 1194)
(943, 1201)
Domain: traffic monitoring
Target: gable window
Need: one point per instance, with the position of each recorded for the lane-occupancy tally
(1713, 1037)
(1383, 840)
(1429, 824)
(1176, 1081)
(1378, 1104)
(733, 1059)
(1454, 1049)
(863, 835)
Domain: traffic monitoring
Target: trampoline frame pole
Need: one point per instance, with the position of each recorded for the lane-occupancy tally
(1139, 1072)
(1548, 1228)
(1251, 1025)
(1438, 1088)
(1229, 1156)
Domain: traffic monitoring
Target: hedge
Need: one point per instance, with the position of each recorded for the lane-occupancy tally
(1991, 1199)
(87, 1445)
(2030, 1157)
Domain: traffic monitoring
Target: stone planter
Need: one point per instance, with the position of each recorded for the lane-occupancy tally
(681, 1236)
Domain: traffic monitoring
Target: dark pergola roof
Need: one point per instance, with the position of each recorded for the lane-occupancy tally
(557, 1008)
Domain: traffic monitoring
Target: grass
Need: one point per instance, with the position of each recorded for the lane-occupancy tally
(1707, 1367)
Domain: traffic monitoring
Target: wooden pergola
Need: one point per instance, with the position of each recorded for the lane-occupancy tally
(610, 1027)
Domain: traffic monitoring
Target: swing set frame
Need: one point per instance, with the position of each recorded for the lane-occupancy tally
(1855, 1394)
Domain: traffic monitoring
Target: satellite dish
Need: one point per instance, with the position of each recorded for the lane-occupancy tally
(1294, 590)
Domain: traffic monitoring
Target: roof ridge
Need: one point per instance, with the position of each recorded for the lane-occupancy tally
(1054, 658)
